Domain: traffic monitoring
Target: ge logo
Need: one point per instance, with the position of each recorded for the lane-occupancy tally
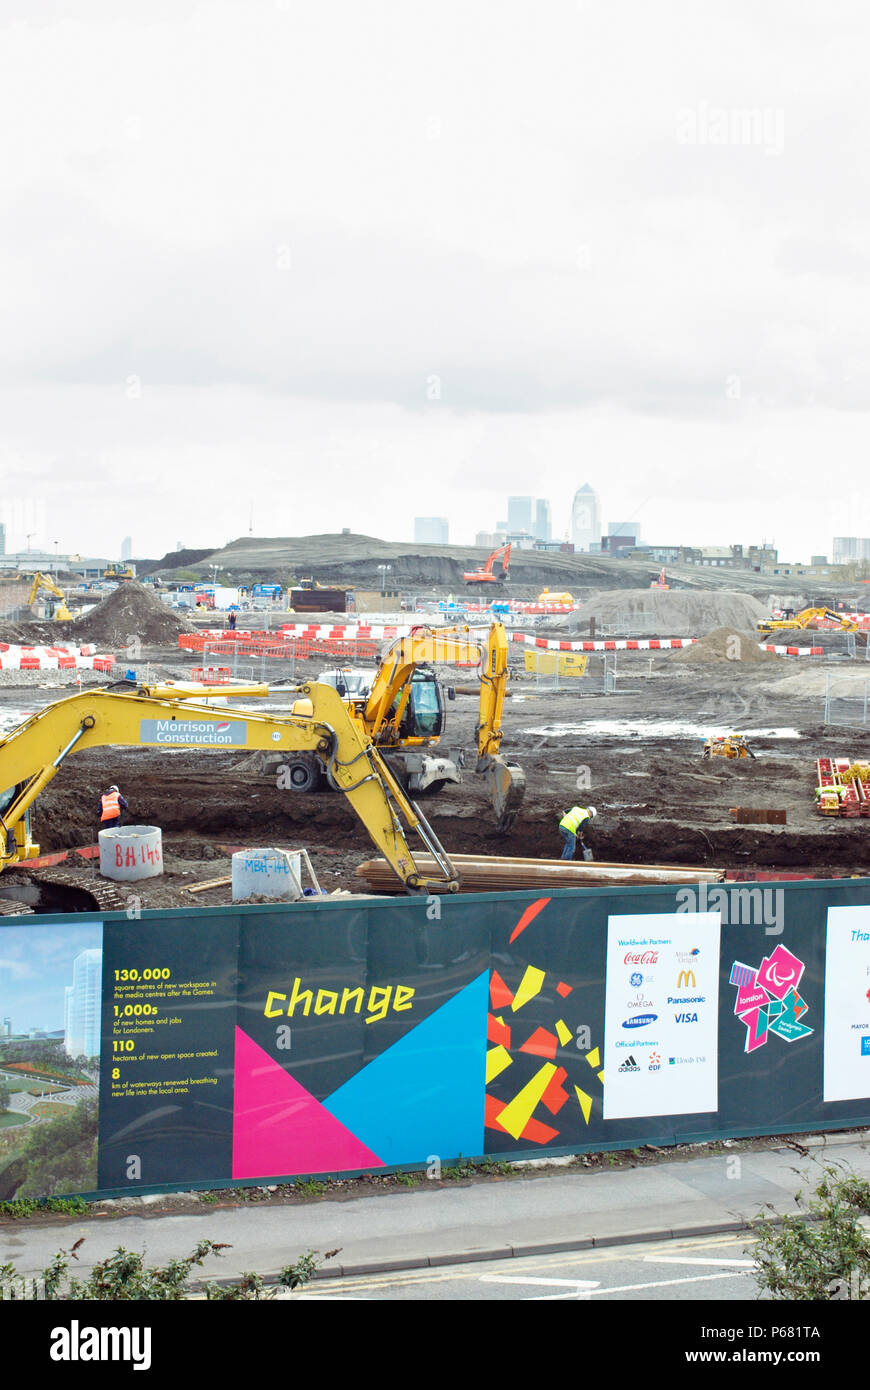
(636, 979)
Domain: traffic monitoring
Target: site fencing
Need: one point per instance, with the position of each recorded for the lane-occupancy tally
(502, 1024)
(847, 710)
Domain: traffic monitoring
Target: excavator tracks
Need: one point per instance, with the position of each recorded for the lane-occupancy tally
(107, 897)
(44, 891)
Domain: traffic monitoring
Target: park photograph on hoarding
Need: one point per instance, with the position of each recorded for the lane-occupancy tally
(50, 1022)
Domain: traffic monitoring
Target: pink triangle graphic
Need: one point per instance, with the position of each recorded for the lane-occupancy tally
(279, 1128)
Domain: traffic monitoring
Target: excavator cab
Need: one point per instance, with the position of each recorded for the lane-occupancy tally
(423, 716)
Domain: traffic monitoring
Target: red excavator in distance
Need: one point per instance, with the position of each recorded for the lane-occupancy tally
(485, 575)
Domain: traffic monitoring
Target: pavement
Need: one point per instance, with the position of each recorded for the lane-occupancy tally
(534, 1212)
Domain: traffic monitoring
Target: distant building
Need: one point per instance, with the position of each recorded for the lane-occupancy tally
(585, 518)
(2, 537)
(490, 540)
(126, 548)
(520, 514)
(720, 556)
(625, 528)
(543, 520)
(431, 530)
(614, 545)
(81, 1031)
(7, 1028)
(849, 549)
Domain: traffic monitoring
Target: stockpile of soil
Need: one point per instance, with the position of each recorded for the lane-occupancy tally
(669, 612)
(131, 611)
(36, 634)
(725, 644)
(811, 680)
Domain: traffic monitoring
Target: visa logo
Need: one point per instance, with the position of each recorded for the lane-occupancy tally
(685, 1018)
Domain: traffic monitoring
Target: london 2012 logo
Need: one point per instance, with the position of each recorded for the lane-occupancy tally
(768, 1002)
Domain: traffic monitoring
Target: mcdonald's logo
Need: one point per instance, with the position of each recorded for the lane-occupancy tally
(686, 980)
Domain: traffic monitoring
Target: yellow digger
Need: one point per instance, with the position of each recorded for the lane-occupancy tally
(57, 609)
(169, 717)
(401, 708)
(807, 618)
(727, 746)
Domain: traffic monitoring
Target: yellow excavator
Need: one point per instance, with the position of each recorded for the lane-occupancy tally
(806, 618)
(170, 717)
(59, 611)
(400, 706)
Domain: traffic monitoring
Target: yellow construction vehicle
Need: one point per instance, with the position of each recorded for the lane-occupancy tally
(807, 618)
(118, 571)
(560, 600)
(57, 610)
(169, 717)
(727, 746)
(400, 706)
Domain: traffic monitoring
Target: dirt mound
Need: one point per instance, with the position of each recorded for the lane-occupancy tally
(813, 681)
(669, 612)
(131, 611)
(35, 634)
(725, 644)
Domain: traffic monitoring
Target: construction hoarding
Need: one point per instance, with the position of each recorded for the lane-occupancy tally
(207, 1047)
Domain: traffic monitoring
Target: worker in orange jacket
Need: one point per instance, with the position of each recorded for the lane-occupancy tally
(112, 804)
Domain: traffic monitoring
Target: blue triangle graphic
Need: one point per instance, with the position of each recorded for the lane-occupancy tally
(425, 1094)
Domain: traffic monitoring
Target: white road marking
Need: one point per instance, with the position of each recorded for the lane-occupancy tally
(688, 1260)
(520, 1279)
(664, 1283)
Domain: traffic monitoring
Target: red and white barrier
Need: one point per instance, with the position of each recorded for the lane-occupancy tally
(792, 651)
(623, 644)
(19, 658)
(386, 632)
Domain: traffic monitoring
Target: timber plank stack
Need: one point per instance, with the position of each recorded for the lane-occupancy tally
(489, 873)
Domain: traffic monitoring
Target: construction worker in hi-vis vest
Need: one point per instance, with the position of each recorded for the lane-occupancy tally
(572, 827)
(112, 804)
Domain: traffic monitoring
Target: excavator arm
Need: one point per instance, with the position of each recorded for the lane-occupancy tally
(168, 717)
(391, 689)
(806, 618)
(46, 583)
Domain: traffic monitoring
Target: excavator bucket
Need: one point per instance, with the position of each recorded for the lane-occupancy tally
(507, 787)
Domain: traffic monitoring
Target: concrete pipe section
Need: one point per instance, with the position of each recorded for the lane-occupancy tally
(131, 852)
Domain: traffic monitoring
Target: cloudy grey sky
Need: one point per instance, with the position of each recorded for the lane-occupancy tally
(342, 264)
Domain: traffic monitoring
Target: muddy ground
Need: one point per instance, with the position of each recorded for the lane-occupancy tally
(640, 749)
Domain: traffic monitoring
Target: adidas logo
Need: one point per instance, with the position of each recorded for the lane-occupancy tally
(629, 1064)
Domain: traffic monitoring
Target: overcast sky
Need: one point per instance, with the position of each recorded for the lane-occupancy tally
(306, 266)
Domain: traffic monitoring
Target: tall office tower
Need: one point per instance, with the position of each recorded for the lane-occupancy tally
(585, 518)
(520, 514)
(82, 1006)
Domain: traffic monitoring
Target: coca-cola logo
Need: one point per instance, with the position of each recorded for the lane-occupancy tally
(641, 958)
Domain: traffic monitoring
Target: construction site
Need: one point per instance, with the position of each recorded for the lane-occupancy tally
(704, 743)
